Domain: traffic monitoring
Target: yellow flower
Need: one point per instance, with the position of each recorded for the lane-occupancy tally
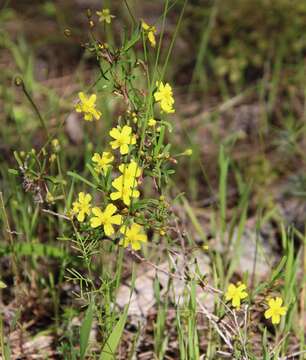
(105, 16)
(152, 122)
(124, 190)
(133, 235)
(123, 138)
(106, 218)
(236, 294)
(164, 96)
(102, 161)
(150, 31)
(130, 172)
(276, 310)
(82, 206)
(87, 106)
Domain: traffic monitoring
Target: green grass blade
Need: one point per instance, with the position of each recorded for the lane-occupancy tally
(223, 166)
(85, 330)
(81, 178)
(110, 347)
(34, 249)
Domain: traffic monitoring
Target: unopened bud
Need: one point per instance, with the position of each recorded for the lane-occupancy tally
(67, 32)
(89, 13)
(18, 81)
(187, 152)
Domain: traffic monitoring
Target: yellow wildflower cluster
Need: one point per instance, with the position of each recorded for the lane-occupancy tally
(121, 191)
(126, 183)
(131, 235)
(164, 96)
(125, 189)
(236, 293)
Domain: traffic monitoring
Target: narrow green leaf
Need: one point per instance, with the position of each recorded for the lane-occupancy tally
(13, 171)
(110, 347)
(85, 330)
(223, 167)
(160, 141)
(134, 39)
(81, 178)
(34, 249)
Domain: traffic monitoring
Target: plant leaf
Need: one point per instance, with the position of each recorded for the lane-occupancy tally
(110, 347)
(34, 249)
(85, 330)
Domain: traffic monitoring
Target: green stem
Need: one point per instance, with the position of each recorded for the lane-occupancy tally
(130, 12)
(28, 96)
(11, 240)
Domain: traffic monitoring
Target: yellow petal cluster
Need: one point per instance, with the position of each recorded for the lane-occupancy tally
(125, 185)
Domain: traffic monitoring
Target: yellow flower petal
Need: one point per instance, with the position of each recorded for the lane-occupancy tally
(95, 222)
(96, 211)
(126, 131)
(124, 149)
(108, 229)
(268, 313)
(110, 209)
(275, 319)
(81, 216)
(115, 133)
(135, 245)
(117, 219)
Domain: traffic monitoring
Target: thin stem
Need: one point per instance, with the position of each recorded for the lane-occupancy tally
(173, 38)
(29, 97)
(130, 12)
(2, 350)
(11, 240)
